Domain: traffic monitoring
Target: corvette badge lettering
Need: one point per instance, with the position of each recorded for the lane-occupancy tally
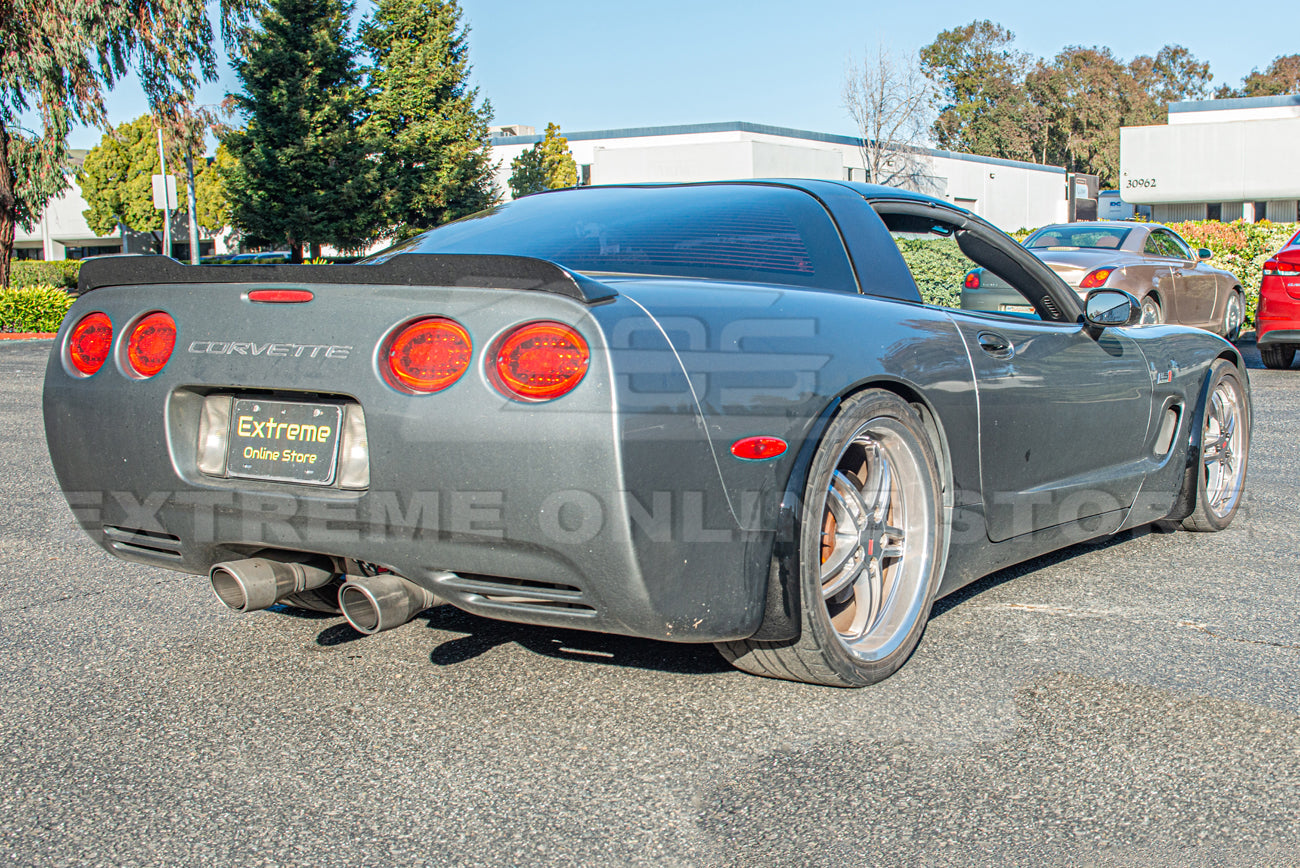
(248, 348)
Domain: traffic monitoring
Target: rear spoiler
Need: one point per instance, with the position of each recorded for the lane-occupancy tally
(406, 269)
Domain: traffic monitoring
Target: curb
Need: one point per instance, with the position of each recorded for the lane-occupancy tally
(26, 336)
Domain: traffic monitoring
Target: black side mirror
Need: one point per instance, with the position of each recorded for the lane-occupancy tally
(1107, 308)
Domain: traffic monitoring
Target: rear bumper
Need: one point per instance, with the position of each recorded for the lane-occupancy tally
(581, 513)
(1277, 321)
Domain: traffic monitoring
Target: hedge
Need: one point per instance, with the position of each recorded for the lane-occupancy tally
(36, 272)
(33, 308)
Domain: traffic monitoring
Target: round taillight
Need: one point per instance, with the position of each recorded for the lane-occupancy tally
(151, 343)
(540, 361)
(972, 279)
(758, 448)
(89, 343)
(428, 355)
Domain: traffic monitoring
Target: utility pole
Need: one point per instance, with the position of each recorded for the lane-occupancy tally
(167, 214)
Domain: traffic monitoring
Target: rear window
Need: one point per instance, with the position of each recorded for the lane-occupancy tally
(1066, 236)
(744, 233)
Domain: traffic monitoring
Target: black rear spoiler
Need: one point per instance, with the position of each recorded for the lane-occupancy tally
(407, 269)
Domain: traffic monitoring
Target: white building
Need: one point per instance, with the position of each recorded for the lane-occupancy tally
(62, 231)
(1224, 159)
(1010, 194)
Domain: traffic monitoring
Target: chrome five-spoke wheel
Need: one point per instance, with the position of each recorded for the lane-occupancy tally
(870, 550)
(1225, 447)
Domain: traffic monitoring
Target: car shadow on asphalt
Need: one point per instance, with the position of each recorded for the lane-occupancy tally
(481, 635)
(1015, 571)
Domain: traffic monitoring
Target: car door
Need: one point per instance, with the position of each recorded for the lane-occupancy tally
(1195, 284)
(1062, 413)
(1164, 262)
(1063, 418)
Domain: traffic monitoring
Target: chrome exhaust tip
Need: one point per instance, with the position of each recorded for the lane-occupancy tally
(373, 604)
(258, 583)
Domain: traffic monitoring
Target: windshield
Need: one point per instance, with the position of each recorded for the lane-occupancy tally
(1102, 237)
(734, 232)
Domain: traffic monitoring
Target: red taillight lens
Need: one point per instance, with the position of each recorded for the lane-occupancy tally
(151, 343)
(1278, 268)
(429, 355)
(540, 361)
(972, 280)
(281, 296)
(758, 448)
(89, 343)
(1097, 277)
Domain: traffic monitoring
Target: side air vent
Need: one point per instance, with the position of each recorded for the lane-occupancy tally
(516, 593)
(1168, 428)
(1050, 307)
(144, 543)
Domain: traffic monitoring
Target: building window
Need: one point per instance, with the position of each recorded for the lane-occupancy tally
(1261, 211)
(584, 175)
(1214, 211)
(98, 250)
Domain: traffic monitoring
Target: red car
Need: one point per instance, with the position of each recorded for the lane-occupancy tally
(1277, 322)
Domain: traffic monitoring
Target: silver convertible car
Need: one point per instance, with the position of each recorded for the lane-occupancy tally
(1149, 261)
(748, 413)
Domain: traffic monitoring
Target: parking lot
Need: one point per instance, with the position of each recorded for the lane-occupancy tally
(1132, 702)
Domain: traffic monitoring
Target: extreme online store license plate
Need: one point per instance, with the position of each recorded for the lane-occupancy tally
(284, 441)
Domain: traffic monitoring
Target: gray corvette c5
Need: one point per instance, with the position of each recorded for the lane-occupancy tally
(746, 413)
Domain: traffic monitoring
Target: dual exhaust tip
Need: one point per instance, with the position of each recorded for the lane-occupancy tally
(371, 604)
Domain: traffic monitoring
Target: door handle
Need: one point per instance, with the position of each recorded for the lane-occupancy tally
(995, 345)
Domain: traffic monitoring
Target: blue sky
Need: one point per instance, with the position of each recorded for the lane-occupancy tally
(591, 66)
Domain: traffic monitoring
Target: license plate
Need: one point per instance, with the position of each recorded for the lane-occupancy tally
(284, 441)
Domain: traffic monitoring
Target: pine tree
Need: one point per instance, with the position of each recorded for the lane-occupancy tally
(424, 119)
(547, 165)
(303, 173)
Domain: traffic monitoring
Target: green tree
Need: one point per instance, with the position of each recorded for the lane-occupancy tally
(57, 57)
(982, 105)
(1087, 94)
(303, 174)
(425, 122)
(1281, 77)
(210, 190)
(116, 182)
(547, 165)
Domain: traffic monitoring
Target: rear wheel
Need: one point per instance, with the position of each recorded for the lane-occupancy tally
(1277, 355)
(868, 555)
(1234, 311)
(1152, 312)
(1225, 446)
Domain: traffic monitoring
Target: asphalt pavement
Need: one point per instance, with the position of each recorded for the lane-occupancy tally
(1134, 702)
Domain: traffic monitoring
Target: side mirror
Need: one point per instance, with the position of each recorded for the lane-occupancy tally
(1204, 253)
(1107, 308)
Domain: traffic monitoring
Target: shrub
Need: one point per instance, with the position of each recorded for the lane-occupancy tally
(33, 308)
(36, 272)
(938, 266)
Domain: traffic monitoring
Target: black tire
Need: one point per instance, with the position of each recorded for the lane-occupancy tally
(1234, 314)
(1152, 312)
(865, 593)
(1277, 356)
(1225, 450)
